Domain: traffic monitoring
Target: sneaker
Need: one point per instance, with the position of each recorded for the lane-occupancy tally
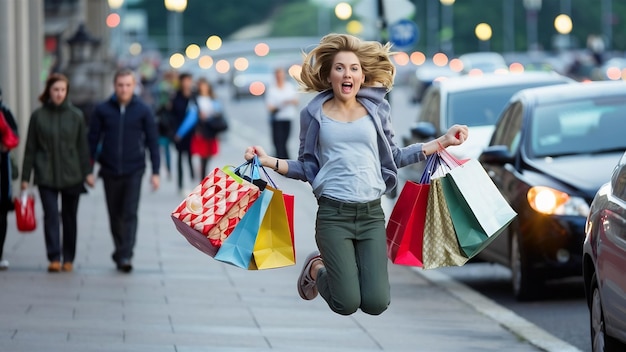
(54, 267)
(67, 267)
(4, 264)
(306, 285)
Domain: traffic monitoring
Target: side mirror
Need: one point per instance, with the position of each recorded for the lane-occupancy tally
(424, 130)
(496, 154)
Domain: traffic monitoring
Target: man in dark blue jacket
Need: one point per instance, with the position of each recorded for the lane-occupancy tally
(122, 128)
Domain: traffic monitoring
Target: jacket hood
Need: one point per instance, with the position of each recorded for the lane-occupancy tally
(64, 105)
(372, 94)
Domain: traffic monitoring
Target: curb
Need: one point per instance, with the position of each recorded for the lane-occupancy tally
(504, 316)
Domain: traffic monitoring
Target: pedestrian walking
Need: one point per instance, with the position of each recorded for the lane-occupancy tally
(56, 155)
(348, 155)
(201, 110)
(125, 127)
(8, 172)
(164, 94)
(281, 100)
(178, 112)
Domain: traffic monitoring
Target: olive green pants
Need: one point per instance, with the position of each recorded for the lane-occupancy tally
(352, 241)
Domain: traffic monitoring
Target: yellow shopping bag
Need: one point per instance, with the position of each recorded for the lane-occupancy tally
(274, 245)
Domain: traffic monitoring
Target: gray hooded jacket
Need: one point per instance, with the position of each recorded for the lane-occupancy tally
(392, 157)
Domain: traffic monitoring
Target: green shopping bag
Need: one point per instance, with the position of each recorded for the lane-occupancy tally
(479, 211)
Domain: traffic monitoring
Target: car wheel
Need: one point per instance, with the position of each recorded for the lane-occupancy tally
(600, 342)
(526, 283)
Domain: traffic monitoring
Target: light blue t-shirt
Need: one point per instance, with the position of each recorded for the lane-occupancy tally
(350, 163)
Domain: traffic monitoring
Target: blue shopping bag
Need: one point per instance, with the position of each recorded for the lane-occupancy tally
(238, 246)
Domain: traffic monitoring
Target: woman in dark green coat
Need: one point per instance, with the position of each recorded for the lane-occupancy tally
(57, 153)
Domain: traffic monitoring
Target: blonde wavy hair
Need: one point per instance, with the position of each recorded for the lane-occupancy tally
(375, 61)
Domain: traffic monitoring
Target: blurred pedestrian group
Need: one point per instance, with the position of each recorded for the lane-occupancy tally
(65, 152)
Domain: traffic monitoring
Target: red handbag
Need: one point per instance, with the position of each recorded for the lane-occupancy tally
(25, 212)
(9, 138)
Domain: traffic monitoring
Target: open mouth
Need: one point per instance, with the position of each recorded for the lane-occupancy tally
(346, 87)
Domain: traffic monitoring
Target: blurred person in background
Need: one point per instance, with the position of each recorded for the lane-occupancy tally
(178, 112)
(8, 172)
(125, 127)
(281, 100)
(165, 91)
(56, 152)
(203, 107)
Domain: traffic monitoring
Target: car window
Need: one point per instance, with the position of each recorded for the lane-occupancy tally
(509, 130)
(578, 127)
(481, 107)
(430, 109)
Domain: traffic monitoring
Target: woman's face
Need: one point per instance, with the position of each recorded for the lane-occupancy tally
(204, 88)
(58, 92)
(346, 75)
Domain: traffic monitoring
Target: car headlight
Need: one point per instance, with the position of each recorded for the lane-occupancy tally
(550, 201)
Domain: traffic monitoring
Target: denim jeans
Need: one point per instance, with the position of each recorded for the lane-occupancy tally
(56, 249)
(122, 197)
(353, 244)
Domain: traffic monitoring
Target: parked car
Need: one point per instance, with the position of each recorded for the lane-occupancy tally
(424, 76)
(483, 62)
(260, 73)
(549, 155)
(473, 101)
(604, 263)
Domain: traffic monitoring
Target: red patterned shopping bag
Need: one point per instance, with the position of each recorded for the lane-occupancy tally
(213, 209)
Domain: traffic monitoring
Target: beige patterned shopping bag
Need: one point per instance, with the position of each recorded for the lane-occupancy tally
(440, 247)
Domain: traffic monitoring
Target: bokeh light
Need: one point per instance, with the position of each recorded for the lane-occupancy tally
(222, 66)
(613, 73)
(177, 60)
(516, 67)
(354, 27)
(440, 59)
(113, 20)
(262, 49)
(257, 88)
(456, 65)
(343, 10)
(447, 2)
(241, 64)
(214, 42)
(205, 62)
(563, 24)
(135, 49)
(295, 70)
(483, 31)
(418, 58)
(475, 72)
(401, 58)
(192, 51)
(115, 4)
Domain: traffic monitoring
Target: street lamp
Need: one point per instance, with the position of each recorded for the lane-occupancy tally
(483, 33)
(447, 31)
(174, 23)
(532, 9)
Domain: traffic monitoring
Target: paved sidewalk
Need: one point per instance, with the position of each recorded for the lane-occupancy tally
(177, 299)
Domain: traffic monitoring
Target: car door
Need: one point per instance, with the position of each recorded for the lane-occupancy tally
(507, 133)
(611, 255)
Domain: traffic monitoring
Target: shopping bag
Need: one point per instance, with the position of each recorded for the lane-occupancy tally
(440, 247)
(25, 212)
(214, 208)
(238, 246)
(7, 137)
(478, 210)
(274, 247)
(405, 228)
(289, 205)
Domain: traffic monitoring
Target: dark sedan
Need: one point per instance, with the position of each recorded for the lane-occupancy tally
(549, 155)
(604, 263)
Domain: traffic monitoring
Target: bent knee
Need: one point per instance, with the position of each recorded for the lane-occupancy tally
(375, 308)
(346, 307)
